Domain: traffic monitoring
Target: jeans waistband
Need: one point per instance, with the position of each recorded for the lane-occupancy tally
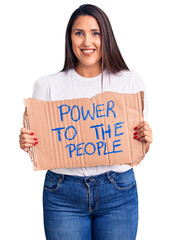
(92, 178)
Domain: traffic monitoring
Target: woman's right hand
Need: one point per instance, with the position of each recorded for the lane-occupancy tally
(27, 139)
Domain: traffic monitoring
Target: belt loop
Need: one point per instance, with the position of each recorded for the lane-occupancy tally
(108, 176)
(62, 178)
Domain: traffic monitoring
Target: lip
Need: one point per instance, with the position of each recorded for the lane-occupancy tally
(88, 54)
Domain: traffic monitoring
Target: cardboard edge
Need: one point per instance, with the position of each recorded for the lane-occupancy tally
(90, 98)
(142, 99)
(142, 107)
(143, 149)
(26, 124)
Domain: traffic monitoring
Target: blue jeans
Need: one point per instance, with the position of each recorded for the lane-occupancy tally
(99, 207)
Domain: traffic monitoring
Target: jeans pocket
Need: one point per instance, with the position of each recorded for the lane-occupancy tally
(125, 180)
(51, 183)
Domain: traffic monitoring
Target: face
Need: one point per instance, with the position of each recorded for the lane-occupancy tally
(86, 41)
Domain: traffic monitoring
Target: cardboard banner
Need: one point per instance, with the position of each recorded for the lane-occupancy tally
(85, 132)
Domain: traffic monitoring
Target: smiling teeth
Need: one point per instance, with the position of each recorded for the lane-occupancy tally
(88, 51)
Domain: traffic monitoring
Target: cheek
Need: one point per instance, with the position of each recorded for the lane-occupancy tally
(100, 50)
(98, 44)
(73, 41)
(76, 51)
(98, 41)
(75, 46)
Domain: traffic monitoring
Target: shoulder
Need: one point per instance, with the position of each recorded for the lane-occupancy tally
(46, 80)
(137, 81)
(131, 80)
(128, 74)
(49, 78)
(44, 84)
(41, 89)
(55, 78)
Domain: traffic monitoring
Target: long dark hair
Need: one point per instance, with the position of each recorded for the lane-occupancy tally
(112, 59)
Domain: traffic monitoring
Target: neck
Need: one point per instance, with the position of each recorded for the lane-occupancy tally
(88, 71)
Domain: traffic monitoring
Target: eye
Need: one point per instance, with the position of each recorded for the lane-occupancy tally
(96, 33)
(78, 33)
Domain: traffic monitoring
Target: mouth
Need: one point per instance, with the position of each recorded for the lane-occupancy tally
(88, 52)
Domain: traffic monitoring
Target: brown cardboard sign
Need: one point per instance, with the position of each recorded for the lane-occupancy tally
(85, 132)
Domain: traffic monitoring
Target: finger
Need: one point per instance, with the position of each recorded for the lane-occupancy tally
(142, 124)
(30, 141)
(144, 129)
(26, 131)
(26, 145)
(26, 150)
(146, 139)
(143, 134)
(28, 136)
(139, 125)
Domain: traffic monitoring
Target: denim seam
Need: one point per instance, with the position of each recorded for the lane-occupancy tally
(84, 182)
(111, 178)
(56, 175)
(74, 181)
(97, 202)
(125, 188)
(50, 178)
(57, 187)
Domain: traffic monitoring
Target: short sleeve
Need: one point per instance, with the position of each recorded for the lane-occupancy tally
(41, 89)
(139, 85)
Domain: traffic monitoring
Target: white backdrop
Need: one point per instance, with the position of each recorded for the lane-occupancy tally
(32, 45)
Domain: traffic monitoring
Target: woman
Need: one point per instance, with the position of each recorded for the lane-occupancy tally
(93, 202)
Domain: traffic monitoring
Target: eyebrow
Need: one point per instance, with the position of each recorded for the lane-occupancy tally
(77, 29)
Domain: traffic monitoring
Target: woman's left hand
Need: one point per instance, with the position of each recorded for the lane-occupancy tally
(143, 133)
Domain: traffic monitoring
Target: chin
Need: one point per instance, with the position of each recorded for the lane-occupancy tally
(89, 63)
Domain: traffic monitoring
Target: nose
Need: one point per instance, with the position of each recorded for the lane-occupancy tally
(87, 40)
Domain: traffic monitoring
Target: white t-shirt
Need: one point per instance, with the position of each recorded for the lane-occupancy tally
(69, 84)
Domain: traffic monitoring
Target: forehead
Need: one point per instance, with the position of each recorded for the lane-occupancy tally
(85, 22)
